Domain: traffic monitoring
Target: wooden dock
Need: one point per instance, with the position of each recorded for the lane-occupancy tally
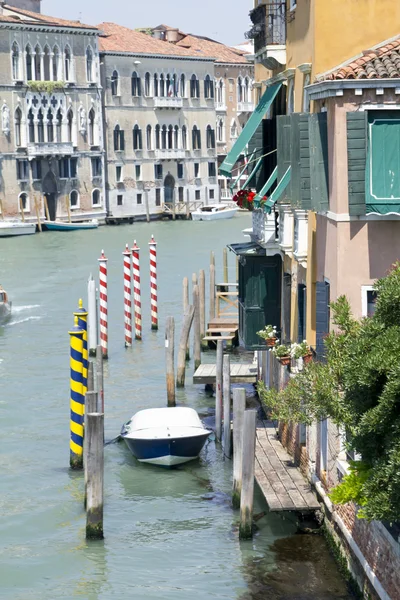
(281, 482)
(240, 373)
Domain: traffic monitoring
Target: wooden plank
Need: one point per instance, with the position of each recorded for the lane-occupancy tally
(215, 338)
(222, 330)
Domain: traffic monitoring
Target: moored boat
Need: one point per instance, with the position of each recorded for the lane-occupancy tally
(213, 212)
(70, 226)
(165, 436)
(5, 305)
(13, 228)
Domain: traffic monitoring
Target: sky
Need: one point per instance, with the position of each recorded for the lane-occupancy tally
(222, 20)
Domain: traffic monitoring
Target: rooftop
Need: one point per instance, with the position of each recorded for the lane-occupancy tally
(207, 47)
(10, 14)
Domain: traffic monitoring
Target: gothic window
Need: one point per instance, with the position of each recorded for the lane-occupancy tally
(170, 137)
(40, 127)
(31, 127)
(136, 85)
(89, 63)
(46, 63)
(67, 63)
(194, 87)
(246, 91)
(164, 137)
(91, 127)
(175, 84)
(17, 122)
(184, 137)
(37, 65)
(114, 83)
(176, 136)
(70, 120)
(29, 70)
(155, 85)
(119, 138)
(157, 130)
(210, 137)
(50, 126)
(168, 86)
(148, 137)
(183, 86)
(56, 64)
(59, 126)
(137, 138)
(239, 90)
(220, 130)
(220, 92)
(234, 131)
(208, 87)
(147, 85)
(162, 86)
(196, 138)
(15, 60)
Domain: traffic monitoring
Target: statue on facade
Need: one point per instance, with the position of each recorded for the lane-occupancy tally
(5, 119)
(82, 120)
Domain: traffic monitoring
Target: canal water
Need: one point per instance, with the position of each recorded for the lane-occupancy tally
(169, 535)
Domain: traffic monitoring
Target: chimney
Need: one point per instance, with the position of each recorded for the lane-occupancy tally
(172, 35)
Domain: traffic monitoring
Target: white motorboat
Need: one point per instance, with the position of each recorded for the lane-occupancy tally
(12, 228)
(212, 212)
(165, 436)
(5, 305)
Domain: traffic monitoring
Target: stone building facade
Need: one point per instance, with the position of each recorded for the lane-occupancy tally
(51, 135)
(159, 116)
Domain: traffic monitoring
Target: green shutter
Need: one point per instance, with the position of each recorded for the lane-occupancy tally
(356, 161)
(305, 180)
(283, 151)
(295, 157)
(319, 177)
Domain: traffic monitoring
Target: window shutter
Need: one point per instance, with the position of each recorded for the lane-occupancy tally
(356, 161)
(122, 140)
(318, 132)
(283, 151)
(197, 88)
(305, 180)
(322, 316)
(295, 157)
(116, 139)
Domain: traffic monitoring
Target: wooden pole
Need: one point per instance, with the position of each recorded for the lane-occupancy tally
(218, 390)
(173, 205)
(67, 202)
(196, 328)
(100, 378)
(212, 292)
(1, 209)
(92, 317)
(185, 298)
(46, 208)
(194, 279)
(90, 379)
(169, 359)
(91, 400)
(187, 205)
(95, 475)
(21, 208)
(239, 406)
(225, 264)
(212, 258)
(183, 344)
(37, 214)
(146, 204)
(227, 404)
(247, 492)
(202, 305)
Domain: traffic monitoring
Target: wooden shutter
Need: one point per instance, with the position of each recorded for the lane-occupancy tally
(322, 316)
(295, 157)
(122, 140)
(286, 307)
(356, 161)
(283, 151)
(318, 132)
(305, 178)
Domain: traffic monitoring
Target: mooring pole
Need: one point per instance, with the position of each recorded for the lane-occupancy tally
(169, 359)
(100, 378)
(218, 390)
(225, 264)
(185, 302)
(137, 301)
(77, 399)
(127, 297)
(227, 404)
(247, 492)
(202, 306)
(212, 292)
(103, 304)
(187, 323)
(82, 315)
(153, 283)
(196, 328)
(95, 475)
(239, 406)
(92, 317)
(91, 404)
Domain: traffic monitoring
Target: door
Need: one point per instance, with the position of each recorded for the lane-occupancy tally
(169, 186)
(52, 205)
(49, 188)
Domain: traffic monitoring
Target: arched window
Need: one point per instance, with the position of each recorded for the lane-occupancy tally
(15, 61)
(46, 63)
(168, 87)
(31, 127)
(89, 63)
(220, 130)
(220, 92)
(74, 199)
(70, 120)
(114, 83)
(67, 63)
(96, 198)
(147, 85)
(56, 64)
(40, 127)
(119, 138)
(239, 90)
(175, 84)
(50, 127)
(170, 137)
(137, 138)
(162, 86)
(210, 137)
(37, 58)
(157, 130)
(246, 90)
(91, 127)
(136, 85)
(29, 70)
(155, 91)
(194, 87)
(23, 202)
(183, 86)
(17, 123)
(164, 137)
(196, 138)
(176, 136)
(234, 130)
(208, 87)
(148, 138)
(59, 125)
(184, 137)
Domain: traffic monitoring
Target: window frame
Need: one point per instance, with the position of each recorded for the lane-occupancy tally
(122, 199)
(364, 298)
(78, 203)
(21, 161)
(27, 208)
(98, 204)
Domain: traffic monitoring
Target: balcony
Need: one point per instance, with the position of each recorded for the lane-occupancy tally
(50, 148)
(220, 106)
(170, 154)
(166, 102)
(244, 107)
(269, 33)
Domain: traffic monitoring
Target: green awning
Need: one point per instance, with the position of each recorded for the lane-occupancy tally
(249, 129)
(278, 191)
(254, 171)
(247, 249)
(267, 186)
(235, 181)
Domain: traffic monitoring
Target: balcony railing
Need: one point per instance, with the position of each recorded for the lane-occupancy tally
(220, 106)
(269, 25)
(245, 107)
(171, 154)
(168, 102)
(49, 148)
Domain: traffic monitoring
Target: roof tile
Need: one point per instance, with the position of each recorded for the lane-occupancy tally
(220, 52)
(38, 18)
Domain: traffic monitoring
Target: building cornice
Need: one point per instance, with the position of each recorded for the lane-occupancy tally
(305, 68)
(336, 87)
(158, 56)
(276, 79)
(47, 28)
(289, 73)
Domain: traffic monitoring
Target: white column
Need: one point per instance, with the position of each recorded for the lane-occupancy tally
(42, 66)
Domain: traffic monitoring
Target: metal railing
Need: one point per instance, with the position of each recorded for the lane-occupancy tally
(269, 25)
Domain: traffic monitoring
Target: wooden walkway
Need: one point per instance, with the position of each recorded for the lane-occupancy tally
(282, 484)
(240, 373)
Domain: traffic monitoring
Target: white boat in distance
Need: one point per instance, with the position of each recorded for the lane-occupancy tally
(12, 228)
(212, 212)
(5, 305)
(165, 436)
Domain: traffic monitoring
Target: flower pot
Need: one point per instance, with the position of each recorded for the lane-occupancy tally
(270, 341)
(284, 360)
(307, 358)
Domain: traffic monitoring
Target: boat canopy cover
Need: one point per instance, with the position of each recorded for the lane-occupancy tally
(247, 249)
(178, 416)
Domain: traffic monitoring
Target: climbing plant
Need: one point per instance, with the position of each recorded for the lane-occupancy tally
(358, 387)
(47, 87)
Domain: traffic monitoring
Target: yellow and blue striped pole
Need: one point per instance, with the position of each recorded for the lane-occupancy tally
(82, 315)
(77, 398)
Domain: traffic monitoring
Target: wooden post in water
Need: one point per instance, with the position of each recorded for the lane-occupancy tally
(183, 344)
(218, 390)
(91, 403)
(194, 279)
(247, 492)
(239, 406)
(212, 258)
(67, 202)
(169, 359)
(225, 264)
(100, 378)
(94, 426)
(46, 208)
(185, 302)
(212, 292)
(90, 379)
(37, 214)
(196, 328)
(202, 307)
(173, 205)
(187, 205)
(227, 404)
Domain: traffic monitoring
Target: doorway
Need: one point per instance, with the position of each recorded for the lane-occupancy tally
(49, 188)
(169, 186)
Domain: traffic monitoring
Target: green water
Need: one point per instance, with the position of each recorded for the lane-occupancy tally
(168, 534)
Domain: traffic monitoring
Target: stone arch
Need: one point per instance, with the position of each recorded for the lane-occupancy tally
(169, 186)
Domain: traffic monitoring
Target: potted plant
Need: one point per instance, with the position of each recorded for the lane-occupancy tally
(282, 353)
(269, 334)
(245, 199)
(301, 354)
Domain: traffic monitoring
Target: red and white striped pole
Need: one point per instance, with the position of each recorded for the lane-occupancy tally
(137, 302)
(153, 283)
(103, 304)
(127, 297)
